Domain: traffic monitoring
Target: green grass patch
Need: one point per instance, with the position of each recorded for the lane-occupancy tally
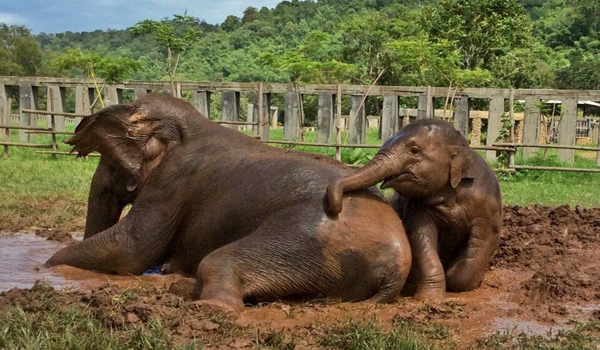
(552, 188)
(50, 327)
(405, 335)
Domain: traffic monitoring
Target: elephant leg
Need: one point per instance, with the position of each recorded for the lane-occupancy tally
(286, 256)
(467, 270)
(427, 266)
(265, 264)
(134, 244)
(219, 283)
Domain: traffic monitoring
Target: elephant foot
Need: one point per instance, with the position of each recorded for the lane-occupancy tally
(430, 295)
(217, 308)
(167, 268)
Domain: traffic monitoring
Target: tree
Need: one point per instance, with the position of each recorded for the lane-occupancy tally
(176, 37)
(251, 14)
(231, 23)
(93, 64)
(481, 29)
(19, 52)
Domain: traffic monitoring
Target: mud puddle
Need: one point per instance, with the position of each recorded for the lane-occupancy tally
(21, 264)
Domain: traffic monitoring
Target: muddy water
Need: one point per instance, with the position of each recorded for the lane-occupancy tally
(21, 263)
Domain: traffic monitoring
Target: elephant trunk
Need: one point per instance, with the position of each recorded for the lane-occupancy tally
(377, 170)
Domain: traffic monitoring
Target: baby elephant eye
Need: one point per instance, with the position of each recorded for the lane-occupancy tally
(415, 150)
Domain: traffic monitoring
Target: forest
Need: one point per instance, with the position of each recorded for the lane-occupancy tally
(459, 43)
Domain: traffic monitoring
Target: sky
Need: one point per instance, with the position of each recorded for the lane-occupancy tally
(56, 16)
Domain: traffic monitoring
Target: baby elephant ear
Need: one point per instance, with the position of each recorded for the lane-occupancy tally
(461, 166)
(108, 132)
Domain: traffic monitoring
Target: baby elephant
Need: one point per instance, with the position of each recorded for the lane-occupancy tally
(448, 198)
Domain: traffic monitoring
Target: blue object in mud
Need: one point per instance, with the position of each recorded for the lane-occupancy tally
(153, 271)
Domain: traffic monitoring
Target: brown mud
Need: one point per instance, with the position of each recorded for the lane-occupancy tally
(545, 274)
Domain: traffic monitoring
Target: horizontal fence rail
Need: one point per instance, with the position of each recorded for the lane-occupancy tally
(268, 103)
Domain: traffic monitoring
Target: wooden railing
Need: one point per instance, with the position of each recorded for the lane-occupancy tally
(525, 127)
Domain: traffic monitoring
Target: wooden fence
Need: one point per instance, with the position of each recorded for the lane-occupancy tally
(527, 131)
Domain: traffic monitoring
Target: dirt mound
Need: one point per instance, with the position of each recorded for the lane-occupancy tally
(561, 246)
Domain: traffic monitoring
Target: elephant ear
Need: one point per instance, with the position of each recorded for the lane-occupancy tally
(109, 132)
(461, 165)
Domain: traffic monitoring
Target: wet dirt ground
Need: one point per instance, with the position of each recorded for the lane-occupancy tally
(545, 274)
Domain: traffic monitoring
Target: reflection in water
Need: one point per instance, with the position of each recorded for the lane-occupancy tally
(21, 263)
(509, 325)
(21, 259)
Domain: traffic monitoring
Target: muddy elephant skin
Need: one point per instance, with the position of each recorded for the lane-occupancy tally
(448, 198)
(247, 219)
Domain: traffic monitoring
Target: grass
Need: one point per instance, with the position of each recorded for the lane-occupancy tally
(39, 191)
(45, 318)
(552, 188)
(50, 327)
(405, 335)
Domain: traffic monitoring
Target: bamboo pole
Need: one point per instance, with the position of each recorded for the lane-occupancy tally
(580, 148)
(548, 168)
(338, 124)
(54, 144)
(511, 97)
(23, 144)
(66, 153)
(260, 118)
(344, 145)
(65, 114)
(234, 122)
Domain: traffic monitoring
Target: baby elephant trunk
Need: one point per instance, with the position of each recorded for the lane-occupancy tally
(377, 170)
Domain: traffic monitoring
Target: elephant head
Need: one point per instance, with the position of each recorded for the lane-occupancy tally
(422, 160)
(132, 139)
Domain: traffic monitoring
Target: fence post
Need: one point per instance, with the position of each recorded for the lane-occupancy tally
(338, 123)
(231, 108)
(325, 121)
(274, 115)
(83, 101)
(291, 127)
(201, 100)
(55, 102)
(114, 96)
(140, 92)
(531, 125)
(7, 112)
(263, 114)
(389, 117)
(598, 145)
(358, 120)
(461, 115)
(567, 133)
(494, 124)
(26, 101)
(3, 107)
(250, 118)
(425, 108)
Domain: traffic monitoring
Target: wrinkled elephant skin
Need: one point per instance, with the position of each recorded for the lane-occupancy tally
(247, 219)
(448, 198)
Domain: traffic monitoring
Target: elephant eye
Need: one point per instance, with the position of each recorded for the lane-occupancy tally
(415, 150)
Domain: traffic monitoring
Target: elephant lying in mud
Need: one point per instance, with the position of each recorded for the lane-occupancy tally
(448, 198)
(247, 219)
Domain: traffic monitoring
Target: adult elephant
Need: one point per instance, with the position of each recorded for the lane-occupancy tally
(448, 198)
(246, 218)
